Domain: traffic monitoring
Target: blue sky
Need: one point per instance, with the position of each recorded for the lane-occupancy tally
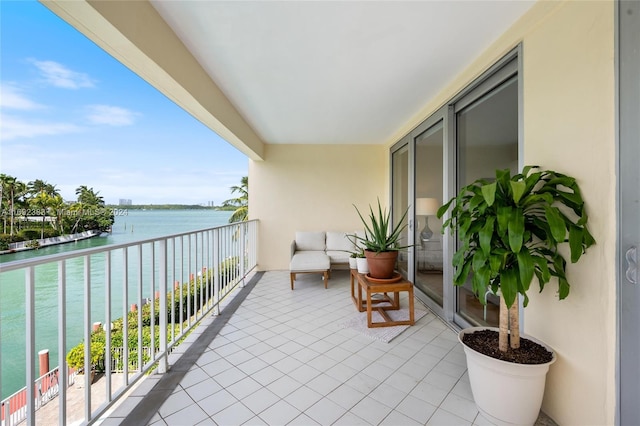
(72, 115)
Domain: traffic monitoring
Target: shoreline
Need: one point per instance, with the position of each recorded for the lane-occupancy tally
(53, 241)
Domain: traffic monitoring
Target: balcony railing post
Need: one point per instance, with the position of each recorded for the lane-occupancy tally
(163, 361)
(243, 236)
(31, 343)
(152, 291)
(125, 314)
(63, 377)
(107, 323)
(216, 270)
(87, 338)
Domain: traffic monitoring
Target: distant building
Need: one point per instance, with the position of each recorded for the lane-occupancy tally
(124, 202)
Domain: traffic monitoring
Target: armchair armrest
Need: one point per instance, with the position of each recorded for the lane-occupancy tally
(293, 247)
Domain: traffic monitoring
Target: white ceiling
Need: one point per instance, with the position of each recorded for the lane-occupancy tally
(335, 71)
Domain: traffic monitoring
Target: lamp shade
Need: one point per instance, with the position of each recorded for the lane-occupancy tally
(427, 206)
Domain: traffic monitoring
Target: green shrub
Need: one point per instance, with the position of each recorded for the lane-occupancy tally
(29, 234)
(5, 240)
(75, 357)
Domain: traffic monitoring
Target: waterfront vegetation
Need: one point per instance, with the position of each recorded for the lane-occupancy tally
(37, 210)
(182, 303)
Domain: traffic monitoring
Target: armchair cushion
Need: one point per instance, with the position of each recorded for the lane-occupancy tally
(310, 241)
(338, 241)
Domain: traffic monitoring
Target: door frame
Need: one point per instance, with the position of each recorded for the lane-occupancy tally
(627, 35)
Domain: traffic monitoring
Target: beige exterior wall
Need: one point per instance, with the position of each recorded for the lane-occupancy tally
(312, 188)
(569, 126)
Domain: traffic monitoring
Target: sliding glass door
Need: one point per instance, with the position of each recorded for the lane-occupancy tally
(470, 137)
(487, 140)
(429, 184)
(400, 199)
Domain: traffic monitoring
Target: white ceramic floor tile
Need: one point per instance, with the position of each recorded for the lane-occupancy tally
(203, 389)
(283, 386)
(252, 365)
(229, 377)
(323, 384)
(189, 415)
(243, 388)
(260, 400)
(325, 411)
(459, 406)
(217, 402)
(304, 374)
(444, 418)
(387, 395)
(279, 413)
(235, 414)
(396, 418)
(350, 419)
(429, 393)
(174, 403)
(417, 409)
(303, 398)
(371, 410)
(346, 396)
(267, 375)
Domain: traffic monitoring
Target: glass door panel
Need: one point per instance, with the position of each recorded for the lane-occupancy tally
(400, 200)
(429, 186)
(487, 139)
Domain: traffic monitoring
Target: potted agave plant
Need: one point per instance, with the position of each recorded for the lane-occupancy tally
(510, 231)
(381, 243)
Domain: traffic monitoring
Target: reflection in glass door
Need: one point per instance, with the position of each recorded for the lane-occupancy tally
(400, 200)
(429, 186)
(487, 139)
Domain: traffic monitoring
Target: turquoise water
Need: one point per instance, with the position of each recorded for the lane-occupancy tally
(132, 225)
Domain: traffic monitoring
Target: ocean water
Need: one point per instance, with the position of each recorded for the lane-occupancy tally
(129, 226)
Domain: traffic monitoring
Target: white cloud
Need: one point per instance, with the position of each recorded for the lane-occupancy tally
(12, 98)
(60, 76)
(110, 115)
(12, 127)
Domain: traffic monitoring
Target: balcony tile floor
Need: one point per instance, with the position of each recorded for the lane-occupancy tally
(282, 359)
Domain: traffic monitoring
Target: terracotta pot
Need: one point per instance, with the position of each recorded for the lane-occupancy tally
(381, 265)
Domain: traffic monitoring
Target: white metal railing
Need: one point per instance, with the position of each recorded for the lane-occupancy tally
(184, 275)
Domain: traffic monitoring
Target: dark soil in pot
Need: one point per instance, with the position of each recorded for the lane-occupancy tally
(486, 342)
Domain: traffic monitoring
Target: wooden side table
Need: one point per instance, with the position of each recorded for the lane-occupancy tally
(391, 304)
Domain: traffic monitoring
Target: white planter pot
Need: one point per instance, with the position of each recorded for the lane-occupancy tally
(353, 264)
(506, 393)
(363, 266)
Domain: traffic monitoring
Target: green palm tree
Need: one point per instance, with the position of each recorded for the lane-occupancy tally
(89, 196)
(241, 202)
(42, 202)
(37, 186)
(10, 188)
(6, 182)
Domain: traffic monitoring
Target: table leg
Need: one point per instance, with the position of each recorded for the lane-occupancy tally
(369, 309)
(411, 312)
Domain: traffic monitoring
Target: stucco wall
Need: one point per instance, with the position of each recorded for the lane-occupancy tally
(312, 188)
(569, 126)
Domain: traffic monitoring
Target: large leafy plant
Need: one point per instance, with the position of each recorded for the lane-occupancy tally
(510, 230)
(379, 233)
